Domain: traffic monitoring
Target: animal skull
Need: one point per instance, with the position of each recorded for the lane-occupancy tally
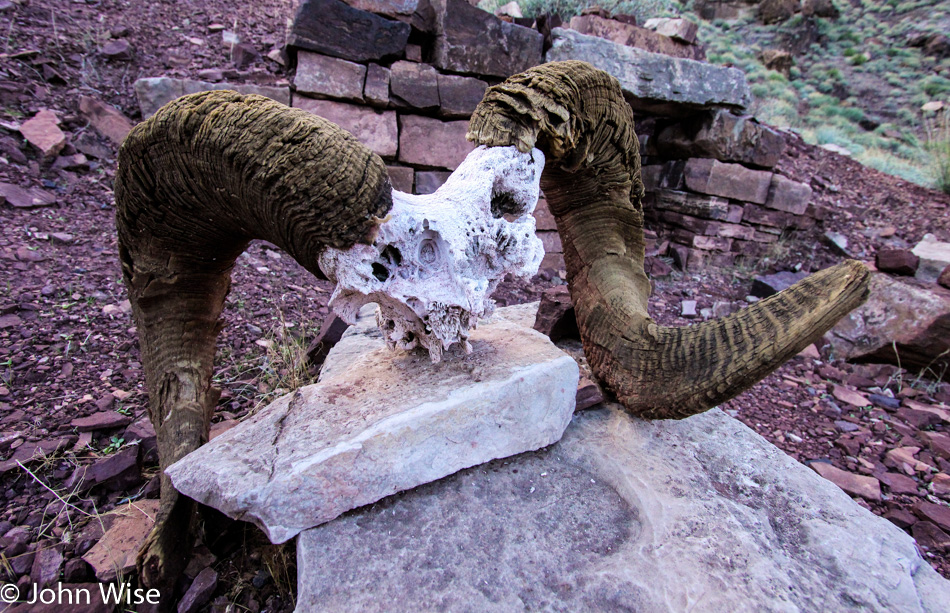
(437, 258)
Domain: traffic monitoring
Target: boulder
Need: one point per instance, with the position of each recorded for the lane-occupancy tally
(414, 85)
(635, 36)
(655, 82)
(678, 29)
(375, 129)
(723, 136)
(621, 514)
(727, 180)
(903, 322)
(154, 93)
(934, 258)
(820, 8)
(331, 27)
(778, 60)
(470, 40)
(777, 11)
(380, 422)
(897, 261)
(329, 77)
(424, 141)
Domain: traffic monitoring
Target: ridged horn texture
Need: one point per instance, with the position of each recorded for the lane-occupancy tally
(196, 182)
(577, 116)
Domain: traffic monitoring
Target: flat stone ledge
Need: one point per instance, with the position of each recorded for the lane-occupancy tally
(384, 422)
(621, 514)
(655, 82)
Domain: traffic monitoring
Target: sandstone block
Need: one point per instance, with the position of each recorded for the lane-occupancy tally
(608, 512)
(376, 88)
(551, 242)
(390, 421)
(414, 85)
(701, 259)
(723, 136)
(154, 93)
(655, 82)
(788, 196)
(728, 180)
(401, 177)
(375, 129)
(764, 286)
(424, 141)
(902, 315)
(333, 28)
(330, 77)
(458, 96)
(635, 36)
(399, 9)
(428, 181)
(470, 40)
(897, 261)
(706, 243)
(677, 29)
(934, 258)
(761, 216)
(555, 317)
(698, 205)
(543, 218)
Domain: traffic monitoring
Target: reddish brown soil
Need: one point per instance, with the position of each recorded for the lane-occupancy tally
(69, 348)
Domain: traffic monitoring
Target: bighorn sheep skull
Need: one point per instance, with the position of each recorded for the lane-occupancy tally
(437, 258)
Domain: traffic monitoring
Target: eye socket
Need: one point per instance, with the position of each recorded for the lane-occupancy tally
(504, 205)
(380, 272)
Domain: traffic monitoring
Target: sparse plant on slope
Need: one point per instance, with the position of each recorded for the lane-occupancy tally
(937, 133)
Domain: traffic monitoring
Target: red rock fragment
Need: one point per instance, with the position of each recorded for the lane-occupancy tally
(853, 485)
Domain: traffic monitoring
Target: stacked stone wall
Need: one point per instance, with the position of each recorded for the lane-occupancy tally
(404, 76)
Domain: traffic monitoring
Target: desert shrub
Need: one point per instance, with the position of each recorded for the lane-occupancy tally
(937, 144)
(935, 86)
(642, 9)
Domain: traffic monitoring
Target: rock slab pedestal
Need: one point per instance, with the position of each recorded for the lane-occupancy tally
(383, 423)
(621, 514)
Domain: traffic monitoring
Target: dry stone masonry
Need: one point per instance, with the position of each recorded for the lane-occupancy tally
(404, 77)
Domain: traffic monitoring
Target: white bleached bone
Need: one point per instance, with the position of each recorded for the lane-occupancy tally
(437, 258)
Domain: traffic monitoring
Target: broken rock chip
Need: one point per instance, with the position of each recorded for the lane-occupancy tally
(114, 555)
(388, 422)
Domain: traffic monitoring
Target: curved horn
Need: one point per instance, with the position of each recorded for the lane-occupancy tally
(195, 183)
(577, 116)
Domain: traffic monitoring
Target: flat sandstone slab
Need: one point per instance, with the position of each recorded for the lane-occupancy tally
(621, 515)
(653, 81)
(385, 422)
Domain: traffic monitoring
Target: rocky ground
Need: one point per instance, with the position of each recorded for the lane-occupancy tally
(73, 429)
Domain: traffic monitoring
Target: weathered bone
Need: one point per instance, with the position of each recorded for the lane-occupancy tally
(437, 258)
